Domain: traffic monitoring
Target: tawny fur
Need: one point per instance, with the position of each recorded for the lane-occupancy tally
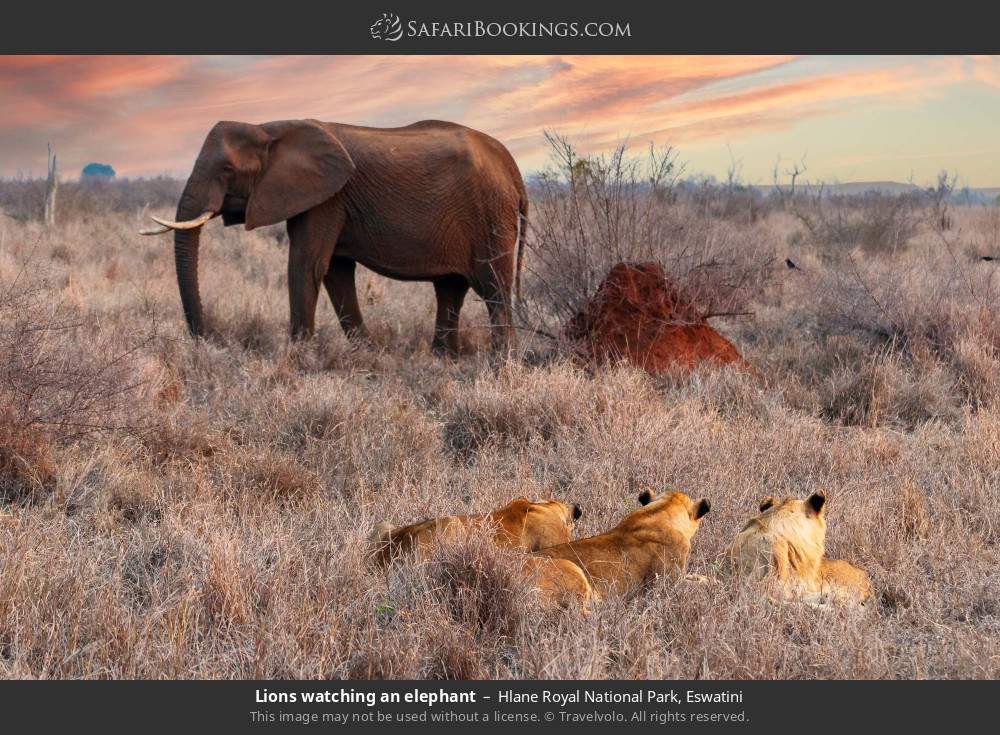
(559, 581)
(653, 540)
(521, 523)
(784, 546)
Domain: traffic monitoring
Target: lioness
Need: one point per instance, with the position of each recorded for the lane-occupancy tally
(559, 581)
(653, 540)
(784, 546)
(523, 523)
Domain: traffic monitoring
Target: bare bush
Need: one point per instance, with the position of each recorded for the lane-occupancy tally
(58, 381)
(731, 200)
(939, 202)
(48, 380)
(589, 214)
(877, 223)
(933, 301)
(26, 468)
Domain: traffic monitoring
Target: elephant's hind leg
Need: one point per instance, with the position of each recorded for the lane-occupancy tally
(340, 285)
(495, 290)
(502, 338)
(450, 292)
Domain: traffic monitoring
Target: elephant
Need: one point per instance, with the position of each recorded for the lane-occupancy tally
(432, 201)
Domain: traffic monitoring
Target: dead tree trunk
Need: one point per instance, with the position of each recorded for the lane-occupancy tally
(51, 186)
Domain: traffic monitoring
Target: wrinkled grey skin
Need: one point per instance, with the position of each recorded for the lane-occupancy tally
(432, 201)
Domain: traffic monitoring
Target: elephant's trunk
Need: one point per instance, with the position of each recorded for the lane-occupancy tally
(186, 244)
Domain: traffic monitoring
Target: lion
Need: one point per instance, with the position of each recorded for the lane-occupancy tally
(559, 582)
(521, 523)
(784, 547)
(653, 540)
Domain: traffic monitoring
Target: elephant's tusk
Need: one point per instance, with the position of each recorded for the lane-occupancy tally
(155, 230)
(188, 225)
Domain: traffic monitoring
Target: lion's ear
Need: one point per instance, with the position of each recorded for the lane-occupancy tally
(816, 502)
(766, 503)
(703, 507)
(577, 512)
(645, 497)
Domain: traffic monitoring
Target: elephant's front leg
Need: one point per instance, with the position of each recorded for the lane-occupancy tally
(312, 237)
(341, 286)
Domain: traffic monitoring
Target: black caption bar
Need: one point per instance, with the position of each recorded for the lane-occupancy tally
(592, 706)
(510, 27)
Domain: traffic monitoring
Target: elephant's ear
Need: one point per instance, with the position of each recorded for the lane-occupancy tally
(306, 165)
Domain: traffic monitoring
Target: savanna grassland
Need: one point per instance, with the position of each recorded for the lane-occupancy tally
(181, 508)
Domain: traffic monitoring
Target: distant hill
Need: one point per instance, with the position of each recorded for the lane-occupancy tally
(856, 188)
(851, 188)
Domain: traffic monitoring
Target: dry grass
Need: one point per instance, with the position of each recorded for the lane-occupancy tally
(222, 537)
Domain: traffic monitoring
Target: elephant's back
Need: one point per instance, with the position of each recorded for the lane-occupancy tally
(437, 142)
(438, 161)
(420, 127)
(487, 160)
(474, 141)
(416, 135)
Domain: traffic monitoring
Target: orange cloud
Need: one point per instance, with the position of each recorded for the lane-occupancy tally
(148, 114)
(788, 101)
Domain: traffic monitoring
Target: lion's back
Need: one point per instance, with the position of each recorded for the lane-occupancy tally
(844, 581)
(559, 581)
(387, 542)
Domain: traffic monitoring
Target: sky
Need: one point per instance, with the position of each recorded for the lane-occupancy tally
(844, 118)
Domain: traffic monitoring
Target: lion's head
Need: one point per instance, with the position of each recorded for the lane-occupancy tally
(536, 525)
(673, 510)
(522, 523)
(785, 541)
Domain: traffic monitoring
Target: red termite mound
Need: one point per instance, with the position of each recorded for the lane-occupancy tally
(639, 316)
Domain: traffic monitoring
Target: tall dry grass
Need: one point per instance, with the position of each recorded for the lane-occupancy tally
(219, 534)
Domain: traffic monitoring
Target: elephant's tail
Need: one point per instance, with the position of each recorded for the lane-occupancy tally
(522, 232)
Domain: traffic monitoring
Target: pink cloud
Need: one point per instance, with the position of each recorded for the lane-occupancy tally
(149, 114)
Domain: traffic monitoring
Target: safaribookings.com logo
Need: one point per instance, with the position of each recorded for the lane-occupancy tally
(387, 28)
(390, 28)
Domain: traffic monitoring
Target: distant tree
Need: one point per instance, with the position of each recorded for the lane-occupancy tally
(97, 171)
(581, 169)
(51, 188)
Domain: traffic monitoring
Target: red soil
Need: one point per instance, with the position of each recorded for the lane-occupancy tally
(639, 316)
